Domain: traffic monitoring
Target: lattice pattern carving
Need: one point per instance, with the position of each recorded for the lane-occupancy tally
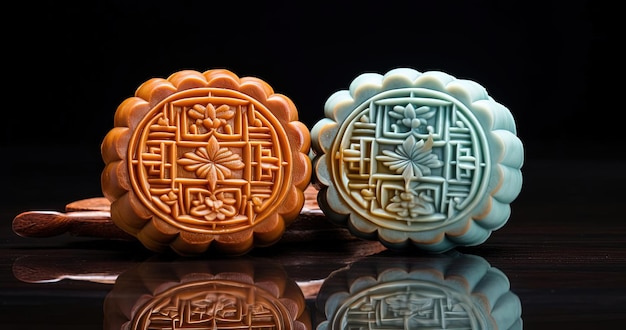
(410, 159)
(209, 161)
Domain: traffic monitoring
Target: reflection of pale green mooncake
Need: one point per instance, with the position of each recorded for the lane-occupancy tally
(444, 291)
(417, 160)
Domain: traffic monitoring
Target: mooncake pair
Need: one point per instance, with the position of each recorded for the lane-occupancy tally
(212, 162)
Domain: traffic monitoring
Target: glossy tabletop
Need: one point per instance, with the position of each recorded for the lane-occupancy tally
(559, 261)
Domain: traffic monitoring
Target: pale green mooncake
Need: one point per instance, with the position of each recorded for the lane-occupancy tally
(417, 159)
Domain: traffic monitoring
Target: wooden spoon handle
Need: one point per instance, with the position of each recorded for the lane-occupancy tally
(80, 223)
(40, 224)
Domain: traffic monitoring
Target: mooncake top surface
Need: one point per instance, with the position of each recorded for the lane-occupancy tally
(417, 160)
(206, 159)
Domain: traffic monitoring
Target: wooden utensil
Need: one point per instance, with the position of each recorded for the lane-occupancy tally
(78, 223)
(91, 217)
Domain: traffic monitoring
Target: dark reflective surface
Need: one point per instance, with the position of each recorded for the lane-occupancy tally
(559, 262)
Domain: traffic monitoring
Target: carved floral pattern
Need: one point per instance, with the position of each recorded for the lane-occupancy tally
(413, 159)
(408, 204)
(414, 120)
(208, 118)
(212, 162)
(214, 206)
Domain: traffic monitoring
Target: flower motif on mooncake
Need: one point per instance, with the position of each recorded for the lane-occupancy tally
(206, 161)
(417, 159)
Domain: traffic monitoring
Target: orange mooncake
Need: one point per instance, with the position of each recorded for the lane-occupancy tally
(206, 161)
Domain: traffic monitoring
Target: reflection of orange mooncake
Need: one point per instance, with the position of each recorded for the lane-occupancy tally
(232, 294)
(206, 161)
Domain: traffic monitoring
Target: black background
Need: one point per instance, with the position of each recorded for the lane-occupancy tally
(554, 64)
(557, 65)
